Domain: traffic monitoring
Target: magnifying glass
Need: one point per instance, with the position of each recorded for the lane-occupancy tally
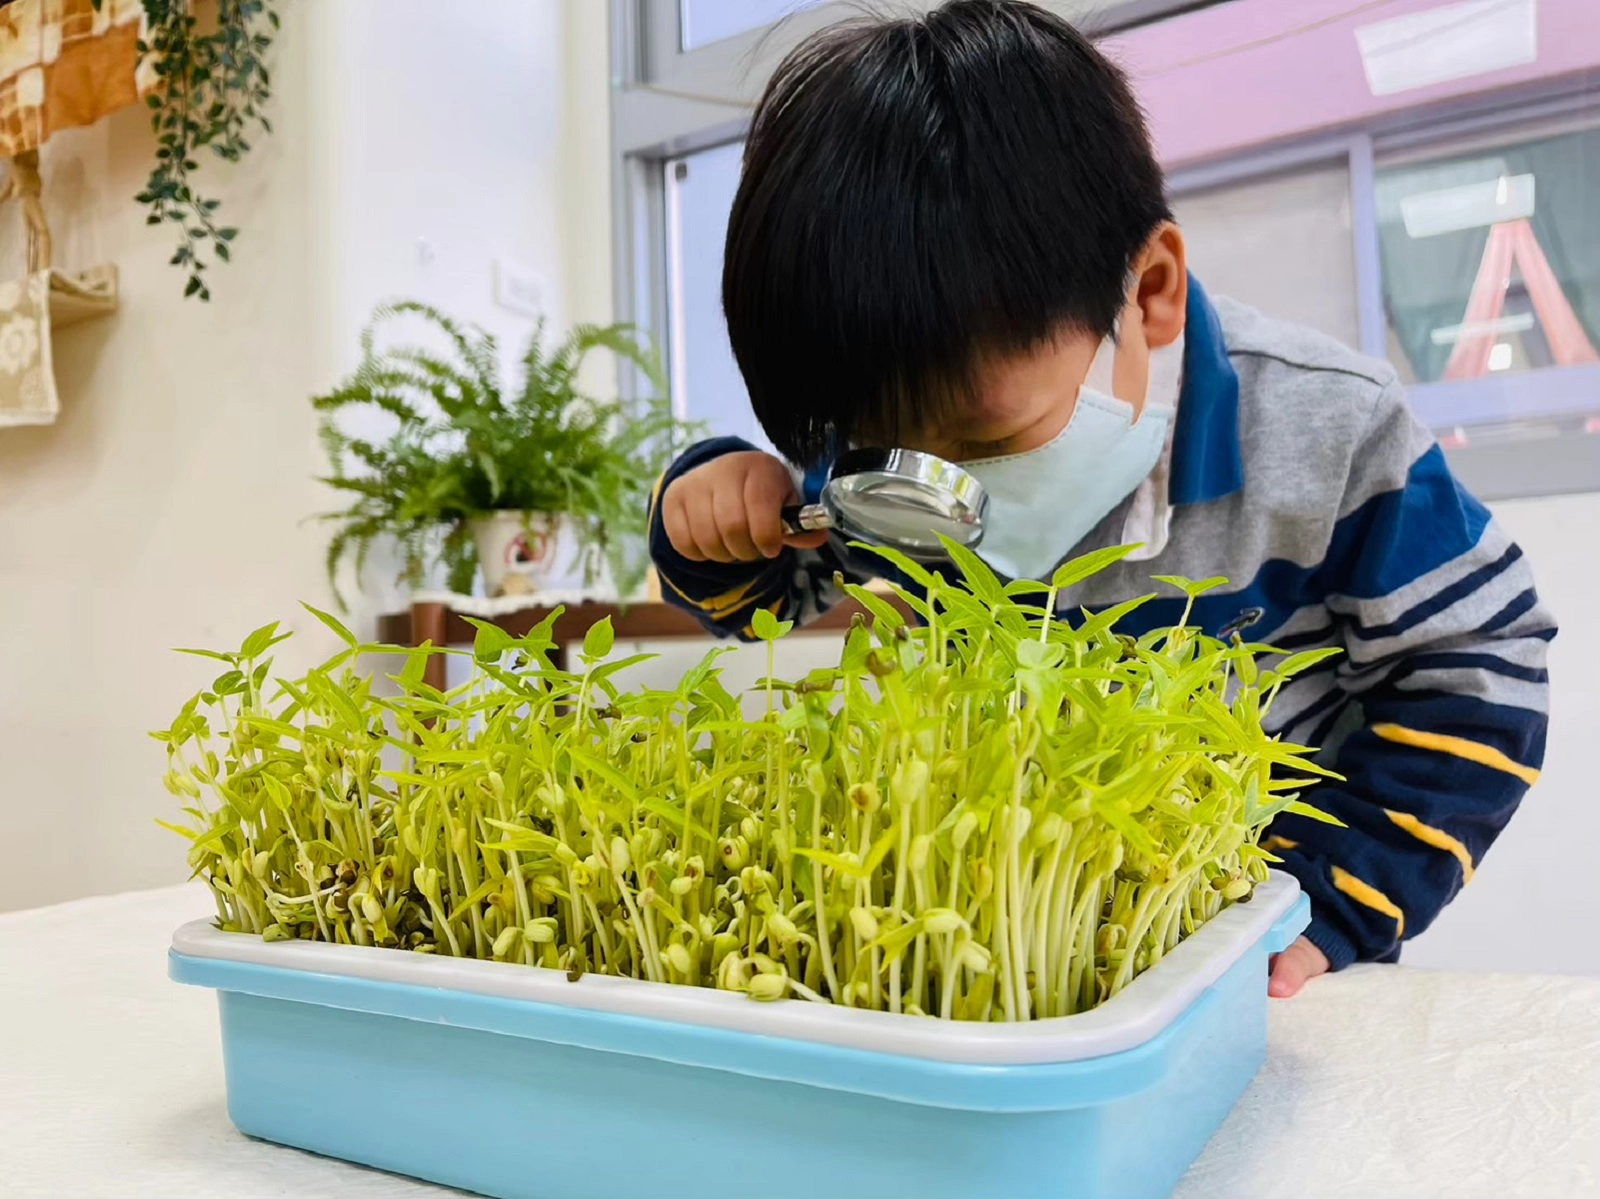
(901, 499)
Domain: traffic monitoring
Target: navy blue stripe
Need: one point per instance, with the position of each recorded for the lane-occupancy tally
(1334, 697)
(1327, 666)
(1325, 726)
(1400, 536)
(1457, 661)
(1390, 541)
(1440, 600)
(1441, 653)
(1512, 612)
(1280, 589)
(1311, 638)
(1207, 463)
(1519, 733)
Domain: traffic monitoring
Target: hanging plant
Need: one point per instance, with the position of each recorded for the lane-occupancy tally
(211, 90)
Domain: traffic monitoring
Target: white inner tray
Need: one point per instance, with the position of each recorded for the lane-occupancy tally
(1150, 1003)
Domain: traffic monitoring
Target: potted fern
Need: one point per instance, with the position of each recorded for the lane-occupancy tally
(471, 473)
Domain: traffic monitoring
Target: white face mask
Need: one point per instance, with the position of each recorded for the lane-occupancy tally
(1044, 501)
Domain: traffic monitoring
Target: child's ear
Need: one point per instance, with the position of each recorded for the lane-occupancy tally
(1163, 287)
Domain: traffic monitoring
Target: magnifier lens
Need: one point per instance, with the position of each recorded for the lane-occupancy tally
(904, 513)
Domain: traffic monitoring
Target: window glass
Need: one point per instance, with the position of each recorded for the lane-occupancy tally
(705, 378)
(1491, 259)
(701, 22)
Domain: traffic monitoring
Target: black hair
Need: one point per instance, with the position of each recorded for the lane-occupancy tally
(920, 193)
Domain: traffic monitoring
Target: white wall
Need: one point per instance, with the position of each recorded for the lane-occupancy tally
(586, 165)
(441, 150)
(1533, 902)
(167, 507)
(162, 509)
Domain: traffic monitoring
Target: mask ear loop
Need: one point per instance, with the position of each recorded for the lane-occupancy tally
(1103, 370)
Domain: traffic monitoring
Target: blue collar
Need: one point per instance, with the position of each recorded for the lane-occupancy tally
(1206, 460)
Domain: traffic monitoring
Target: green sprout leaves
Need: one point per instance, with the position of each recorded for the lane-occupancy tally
(768, 627)
(992, 816)
(597, 642)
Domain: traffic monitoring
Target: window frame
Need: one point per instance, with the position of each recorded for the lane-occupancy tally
(1355, 152)
(667, 102)
(720, 68)
(1551, 393)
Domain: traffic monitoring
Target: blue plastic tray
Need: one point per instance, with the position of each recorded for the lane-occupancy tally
(515, 1099)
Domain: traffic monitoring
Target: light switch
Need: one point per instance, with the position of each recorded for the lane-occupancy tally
(518, 288)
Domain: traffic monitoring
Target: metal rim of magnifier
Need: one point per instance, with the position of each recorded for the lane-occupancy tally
(958, 493)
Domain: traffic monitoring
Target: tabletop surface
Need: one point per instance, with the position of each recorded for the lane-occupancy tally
(1381, 1083)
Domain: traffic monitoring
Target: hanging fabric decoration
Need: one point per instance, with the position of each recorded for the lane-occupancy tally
(63, 64)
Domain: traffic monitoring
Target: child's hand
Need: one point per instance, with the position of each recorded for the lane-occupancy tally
(729, 510)
(1295, 967)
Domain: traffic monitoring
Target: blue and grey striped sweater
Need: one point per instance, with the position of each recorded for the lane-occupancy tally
(1299, 472)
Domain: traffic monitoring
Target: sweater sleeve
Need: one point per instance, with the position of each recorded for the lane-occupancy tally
(797, 585)
(1438, 710)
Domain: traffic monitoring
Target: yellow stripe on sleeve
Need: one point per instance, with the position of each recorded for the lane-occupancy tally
(1460, 747)
(655, 495)
(718, 607)
(1437, 838)
(675, 588)
(728, 602)
(1274, 843)
(1369, 896)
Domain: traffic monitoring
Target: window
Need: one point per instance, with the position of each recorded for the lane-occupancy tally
(723, 50)
(1464, 245)
(705, 379)
(701, 22)
(1282, 244)
(1491, 269)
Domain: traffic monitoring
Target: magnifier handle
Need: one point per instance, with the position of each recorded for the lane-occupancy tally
(807, 519)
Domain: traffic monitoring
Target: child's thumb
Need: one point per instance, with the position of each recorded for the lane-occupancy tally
(806, 541)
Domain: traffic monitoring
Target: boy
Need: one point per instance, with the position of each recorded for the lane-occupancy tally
(951, 234)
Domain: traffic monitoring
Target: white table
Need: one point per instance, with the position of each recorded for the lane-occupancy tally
(1383, 1082)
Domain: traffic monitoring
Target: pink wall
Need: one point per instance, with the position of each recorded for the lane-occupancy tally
(1311, 81)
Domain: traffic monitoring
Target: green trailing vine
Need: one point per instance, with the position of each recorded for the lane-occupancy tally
(211, 94)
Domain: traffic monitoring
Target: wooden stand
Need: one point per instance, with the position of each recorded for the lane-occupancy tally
(439, 624)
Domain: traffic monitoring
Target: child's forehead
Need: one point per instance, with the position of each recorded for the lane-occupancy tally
(1013, 385)
(1000, 396)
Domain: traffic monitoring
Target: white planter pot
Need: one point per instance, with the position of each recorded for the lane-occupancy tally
(517, 550)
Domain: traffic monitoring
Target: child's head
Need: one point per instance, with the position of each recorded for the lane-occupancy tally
(940, 219)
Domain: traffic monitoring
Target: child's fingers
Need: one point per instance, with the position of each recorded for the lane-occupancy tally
(767, 492)
(1294, 967)
(806, 541)
(675, 520)
(1284, 981)
(703, 528)
(764, 496)
(733, 522)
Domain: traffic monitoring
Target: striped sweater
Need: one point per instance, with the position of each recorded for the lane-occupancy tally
(1299, 473)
